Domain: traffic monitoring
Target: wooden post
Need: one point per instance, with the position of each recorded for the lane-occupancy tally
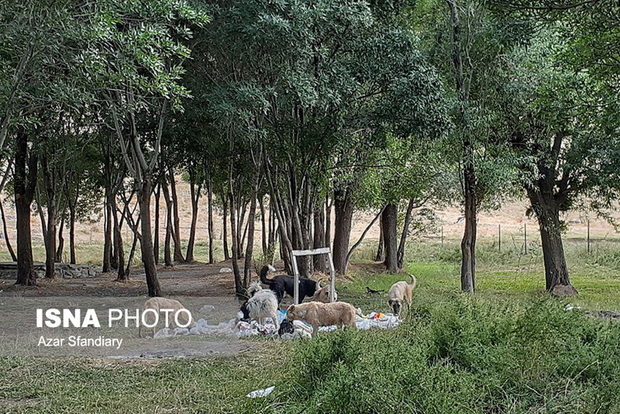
(525, 237)
(588, 235)
(332, 270)
(500, 237)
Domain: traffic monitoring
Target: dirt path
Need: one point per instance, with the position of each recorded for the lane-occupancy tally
(195, 285)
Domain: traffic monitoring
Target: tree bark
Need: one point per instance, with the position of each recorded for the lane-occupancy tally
(146, 243)
(156, 235)
(320, 261)
(50, 233)
(403, 237)
(379, 255)
(107, 238)
(169, 226)
(6, 234)
(61, 240)
(249, 250)
(263, 223)
(343, 206)
(210, 220)
(389, 217)
(194, 198)
(224, 228)
(239, 288)
(24, 185)
(118, 244)
(176, 233)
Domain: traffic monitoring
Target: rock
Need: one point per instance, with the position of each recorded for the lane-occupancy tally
(226, 270)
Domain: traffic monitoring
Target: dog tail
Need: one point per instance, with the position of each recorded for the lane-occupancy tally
(263, 276)
(414, 281)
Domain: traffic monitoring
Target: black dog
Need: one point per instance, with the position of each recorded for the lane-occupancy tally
(285, 283)
(286, 327)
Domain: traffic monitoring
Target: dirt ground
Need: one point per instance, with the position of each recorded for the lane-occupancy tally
(195, 285)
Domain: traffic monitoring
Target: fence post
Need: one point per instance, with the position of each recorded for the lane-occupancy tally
(442, 235)
(500, 237)
(588, 235)
(525, 237)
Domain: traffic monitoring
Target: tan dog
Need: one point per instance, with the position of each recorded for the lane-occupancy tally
(323, 314)
(322, 295)
(161, 306)
(401, 292)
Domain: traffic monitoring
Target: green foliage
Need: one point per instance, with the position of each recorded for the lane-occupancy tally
(463, 355)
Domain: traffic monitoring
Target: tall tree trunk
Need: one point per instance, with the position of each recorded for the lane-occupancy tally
(249, 250)
(557, 280)
(107, 237)
(144, 199)
(24, 186)
(320, 260)
(343, 206)
(50, 233)
(156, 235)
(224, 228)
(263, 223)
(61, 240)
(194, 198)
(468, 244)
(389, 218)
(239, 288)
(403, 237)
(210, 220)
(118, 244)
(328, 221)
(176, 233)
(6, 234)
(168, 238)
(72, 258)
(379, 255)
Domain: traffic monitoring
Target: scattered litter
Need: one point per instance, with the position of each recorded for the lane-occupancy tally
(165, 333)
(226, 270)
(571, 307)
(254, 328)
(261, 393)
(206, 308)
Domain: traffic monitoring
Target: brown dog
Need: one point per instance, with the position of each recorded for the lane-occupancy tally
(401, 292)
(323, 314)
(161, 306)
(322, 295)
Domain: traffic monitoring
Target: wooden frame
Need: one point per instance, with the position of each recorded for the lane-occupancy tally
(332, 271)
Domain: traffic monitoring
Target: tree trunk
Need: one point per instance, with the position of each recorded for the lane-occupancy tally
(343, 206)
(107, 238)
(118, 244)
(210, 220)
(24, 186)
(403, 237)
(61, 240)
(249, 250)
(263, 223)
(169, 226)
(239, 288)
(468, 244)
(195, 198)
(72, 258)
(390, 237)
(320, 260)
(156, 235)
(144, 199)
(50, 231)
(379, 255)
(176, 233)
(6, 234)
(224, 228)
(557, 280)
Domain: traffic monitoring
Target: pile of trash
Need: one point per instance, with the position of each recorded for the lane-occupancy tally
(241, 329)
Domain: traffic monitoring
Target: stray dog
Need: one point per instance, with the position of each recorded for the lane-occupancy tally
(162, 306)
(401, 292)
(286, 284)
(323, 314)
(286, 327)
(263, 305)
(322, 295)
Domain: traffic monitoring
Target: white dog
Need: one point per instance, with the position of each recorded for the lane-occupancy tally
(401, 292)
(161, 306)
(263, 305)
